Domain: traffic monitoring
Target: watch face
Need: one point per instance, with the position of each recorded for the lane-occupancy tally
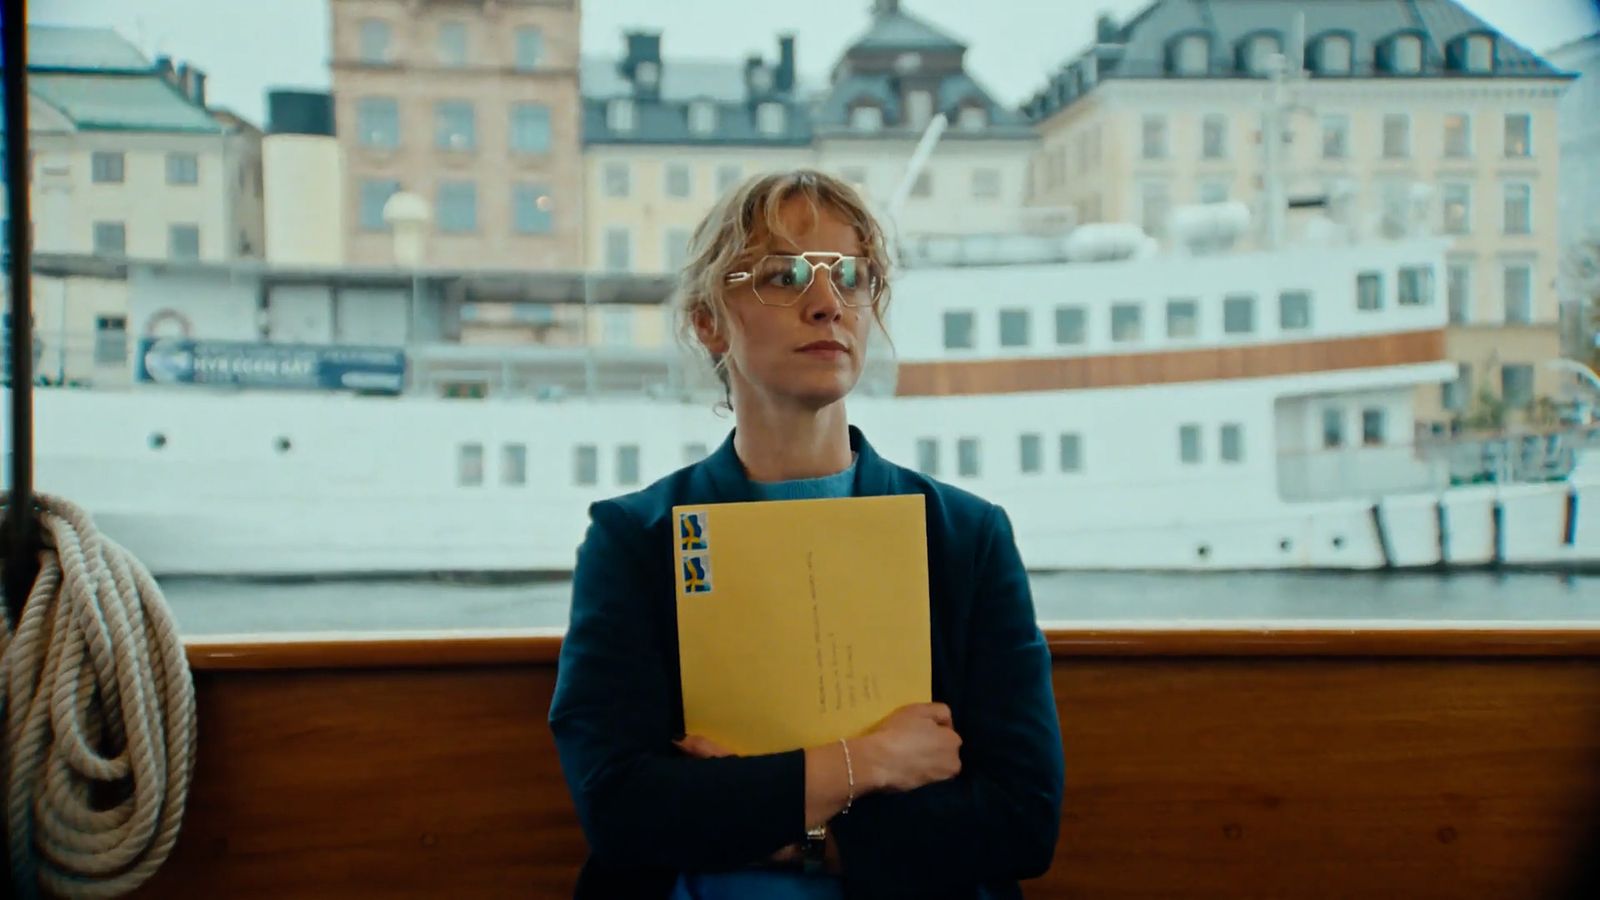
(818, 833)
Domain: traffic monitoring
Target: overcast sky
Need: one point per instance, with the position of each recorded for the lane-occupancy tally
(248, 47)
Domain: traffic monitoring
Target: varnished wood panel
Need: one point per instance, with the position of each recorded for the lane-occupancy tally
(1252, 764)
(1008, 376)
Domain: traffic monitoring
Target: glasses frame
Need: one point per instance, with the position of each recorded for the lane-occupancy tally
(832, 259)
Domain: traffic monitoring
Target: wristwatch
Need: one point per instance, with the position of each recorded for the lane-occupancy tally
(813, 852)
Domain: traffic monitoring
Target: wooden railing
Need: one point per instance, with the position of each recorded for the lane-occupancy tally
(1215, 764)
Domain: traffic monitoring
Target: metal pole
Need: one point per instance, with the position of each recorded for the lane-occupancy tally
(19, 533)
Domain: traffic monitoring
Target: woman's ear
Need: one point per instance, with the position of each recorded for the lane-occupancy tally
(711, 335)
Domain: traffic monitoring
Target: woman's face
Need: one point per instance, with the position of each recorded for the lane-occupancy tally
(808, 355)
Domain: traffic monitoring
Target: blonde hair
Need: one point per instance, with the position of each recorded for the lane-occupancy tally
(743, 222)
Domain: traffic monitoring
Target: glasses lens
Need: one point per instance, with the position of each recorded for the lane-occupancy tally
(854, 280)
(780, 280)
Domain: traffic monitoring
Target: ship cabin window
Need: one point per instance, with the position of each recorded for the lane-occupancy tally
(469, 465)
(967, 457)
(1238, 314)
(1332, 428)
(1071, 452)
(1372, 427)
(1232, 441)
(628, 464)
(693, 453)
(1416, 285)
(958, 331)
(1127, 322)
(586, 464)
(1294, 310)
(1014, 328)
(1183, 318)
(1031, 451)
(1189, 444)
(514, 464)
(1071, 325)
(1516, 384)
(928, 456)
(1369, 291)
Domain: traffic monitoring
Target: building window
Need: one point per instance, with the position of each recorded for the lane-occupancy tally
(1072, 326)
(1369, 290)
(1456, 208)
(1071, 452)
(1516, 384)
(1334, 56)
(628, 464)
(1238, 314)
(1127, 322)
(1480, 53)
(1454, 394)
(1259, 52)
(1458, 291)
(677, 180)
(967, 457)
(469, 465)
(1396, 136)
(694, 452)
(619, 250)
(110, 239)
(458, 207)
(928, 456)
(378, 122)
(616, 326)
(1372, 427)
(1232, 443)
(1519, 136)
(1294, 310)
(529, 48)
(1214, 191)
(866, 117)
(619, 114)
(183, 241)
(1332, 428)
(702, 117)
(106, 167)
(617, 179)
(1030, 449)
(1153, 137)
(958, 331)
(1335, 137)
(677, 248)
(985, 184)
(771, 119)
(454, 125)
(1191, 57)
(1405, 55)
(530, 128)
(532, 209)
(513, 464)
(1189, 444)
(1518, 284)
(1214, 136)
(1155, 205)
(923, 186)
(1183, 319)
(1518, 209)
(374, 36)
(110, 340)
(183, 168)
(1458, 136)
(452, 45)
(586, 464)
(972, 118)
(728, 177)
(375, 194)
(1416, 285)
(1014, 328)
(919, 108)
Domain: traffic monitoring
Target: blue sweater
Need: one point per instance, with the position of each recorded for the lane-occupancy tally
(650, 813)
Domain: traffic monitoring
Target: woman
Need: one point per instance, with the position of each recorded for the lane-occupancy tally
(956, 798)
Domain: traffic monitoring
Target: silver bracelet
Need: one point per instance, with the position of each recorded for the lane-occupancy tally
(850, 777)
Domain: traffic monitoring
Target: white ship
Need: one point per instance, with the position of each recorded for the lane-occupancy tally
(1248, 410)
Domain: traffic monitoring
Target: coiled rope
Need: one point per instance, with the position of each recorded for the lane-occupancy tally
(99, 718)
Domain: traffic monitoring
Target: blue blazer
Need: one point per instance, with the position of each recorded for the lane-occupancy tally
(649, 811)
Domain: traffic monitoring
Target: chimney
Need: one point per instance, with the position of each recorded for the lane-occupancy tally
(1106, 30)
(881, 8)
(164, 69)
(758, 78)
(198, 93)
(642, 65)
(785, 79)
(185, 80)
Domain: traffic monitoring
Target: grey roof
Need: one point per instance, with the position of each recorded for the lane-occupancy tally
(64, 47)
(1143, 41)
(667, 122)
(955, 89)
(120, 102)
(680, 79)
(897, 30)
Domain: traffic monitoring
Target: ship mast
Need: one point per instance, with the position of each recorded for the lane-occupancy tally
(1282, 99)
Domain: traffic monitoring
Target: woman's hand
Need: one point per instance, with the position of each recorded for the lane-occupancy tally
(914, 746)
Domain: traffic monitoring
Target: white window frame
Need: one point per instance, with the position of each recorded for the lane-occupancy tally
(1466, 136)
(620, 114)
(1445, 191)
(1505, 207)
(616, 179)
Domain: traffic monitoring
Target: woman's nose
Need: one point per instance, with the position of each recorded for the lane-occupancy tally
(822, 301)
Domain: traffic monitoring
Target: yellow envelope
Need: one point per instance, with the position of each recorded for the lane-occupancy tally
(801, 621)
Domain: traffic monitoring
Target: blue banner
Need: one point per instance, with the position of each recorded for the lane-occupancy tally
(314, 367)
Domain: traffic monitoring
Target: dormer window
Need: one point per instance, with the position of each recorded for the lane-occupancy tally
(1480, 53)
(647, 74)
(1405, 55)
(1090, 71)
(620, 114)
(771, 119)
(702, 117)
(972, 118)
(866, 117)
(760, 79)
(1191, 55)
(1334, 55)
(919, 108)
(1258, 52)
